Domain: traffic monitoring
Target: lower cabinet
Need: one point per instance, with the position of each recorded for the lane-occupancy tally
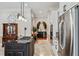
(19, 49)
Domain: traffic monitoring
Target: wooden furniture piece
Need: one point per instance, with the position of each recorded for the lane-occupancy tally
(42, 35)
(21, 47)
(10, 31)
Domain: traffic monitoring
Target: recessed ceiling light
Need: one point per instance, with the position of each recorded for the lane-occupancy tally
(40, 12)
(26, 5)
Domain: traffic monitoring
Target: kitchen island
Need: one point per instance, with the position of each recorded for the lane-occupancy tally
(22, 47)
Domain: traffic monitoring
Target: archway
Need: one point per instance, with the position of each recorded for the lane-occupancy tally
(42, 30)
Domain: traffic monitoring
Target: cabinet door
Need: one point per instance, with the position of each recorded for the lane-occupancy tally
(10, 31)
(20, 53)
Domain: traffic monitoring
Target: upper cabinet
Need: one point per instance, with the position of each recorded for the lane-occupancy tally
(10, 31)
(64, 6)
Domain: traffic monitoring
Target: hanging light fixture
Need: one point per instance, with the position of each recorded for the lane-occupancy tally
(20, 16)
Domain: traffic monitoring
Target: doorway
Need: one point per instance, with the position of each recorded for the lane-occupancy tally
(41, 30)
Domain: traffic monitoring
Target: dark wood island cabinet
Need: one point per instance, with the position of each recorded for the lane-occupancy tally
(19, 48)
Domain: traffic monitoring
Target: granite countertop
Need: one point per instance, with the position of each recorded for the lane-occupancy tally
(24, 40)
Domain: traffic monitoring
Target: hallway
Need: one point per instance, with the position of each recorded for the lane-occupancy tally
(43, 48)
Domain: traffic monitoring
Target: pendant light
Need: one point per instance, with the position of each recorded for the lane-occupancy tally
(20, 16)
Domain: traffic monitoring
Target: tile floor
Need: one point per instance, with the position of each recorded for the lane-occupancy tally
(43, 48)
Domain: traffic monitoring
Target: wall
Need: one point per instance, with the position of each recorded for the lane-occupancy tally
(68, 6)
(27, 24)
(21, 24)
(53, 20)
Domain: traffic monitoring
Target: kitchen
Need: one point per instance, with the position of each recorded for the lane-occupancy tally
(39, 28)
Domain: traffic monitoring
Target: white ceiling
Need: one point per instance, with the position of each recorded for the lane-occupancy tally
(6, 5)
(43, 7)
(37, 7)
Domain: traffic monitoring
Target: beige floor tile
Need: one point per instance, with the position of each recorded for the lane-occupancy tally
(43, 48)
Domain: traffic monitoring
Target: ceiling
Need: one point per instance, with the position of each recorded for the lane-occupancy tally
(37, 7)
(43, 7)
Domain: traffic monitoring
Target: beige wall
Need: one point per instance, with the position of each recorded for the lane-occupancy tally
(21, 24)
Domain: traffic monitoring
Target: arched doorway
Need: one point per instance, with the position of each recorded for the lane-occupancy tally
(41, 30)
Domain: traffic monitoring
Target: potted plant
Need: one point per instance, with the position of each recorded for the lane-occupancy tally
(34, 33)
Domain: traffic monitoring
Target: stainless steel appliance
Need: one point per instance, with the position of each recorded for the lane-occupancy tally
(76, 31)
(66, 34)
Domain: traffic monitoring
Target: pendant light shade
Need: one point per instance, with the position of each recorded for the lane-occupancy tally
(20, 16)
